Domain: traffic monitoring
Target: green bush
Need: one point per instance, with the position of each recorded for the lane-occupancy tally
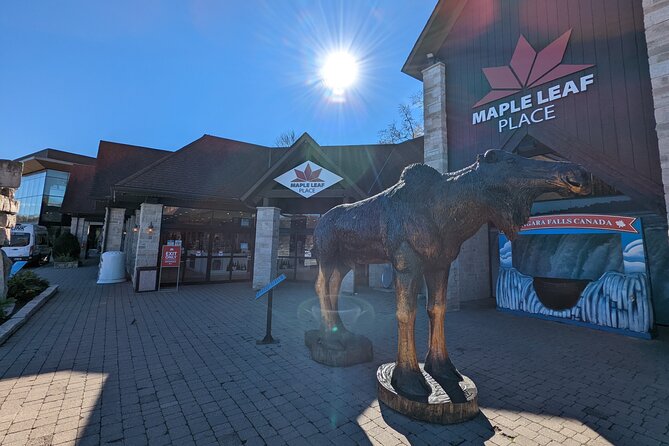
(66, 245)
(25, 285)
(65, 259)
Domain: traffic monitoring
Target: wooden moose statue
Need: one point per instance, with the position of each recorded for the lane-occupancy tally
(418, 226)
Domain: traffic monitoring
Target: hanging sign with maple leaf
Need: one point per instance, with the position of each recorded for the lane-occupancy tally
(529, 69)
(308, 179)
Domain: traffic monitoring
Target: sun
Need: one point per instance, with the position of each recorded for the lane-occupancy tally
(339, 72)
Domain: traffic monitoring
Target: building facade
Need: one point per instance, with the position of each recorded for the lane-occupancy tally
(44, 184)
(581, 81)
(578, 81)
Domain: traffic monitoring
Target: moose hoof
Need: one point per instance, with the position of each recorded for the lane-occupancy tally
(449, 379)
(338, 349)
(410, 384)
(438, 407)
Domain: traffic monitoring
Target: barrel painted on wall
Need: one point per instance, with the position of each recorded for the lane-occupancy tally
(583, 269)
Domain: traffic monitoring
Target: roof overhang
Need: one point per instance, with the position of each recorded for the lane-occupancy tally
(432, 37)
(36, 164)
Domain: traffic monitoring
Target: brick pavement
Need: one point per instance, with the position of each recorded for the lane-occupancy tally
(102, 365)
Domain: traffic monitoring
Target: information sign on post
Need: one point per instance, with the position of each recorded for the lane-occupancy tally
(170, 258)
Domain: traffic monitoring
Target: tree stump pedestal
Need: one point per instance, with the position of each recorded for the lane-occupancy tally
(338, 350)
(437, 409)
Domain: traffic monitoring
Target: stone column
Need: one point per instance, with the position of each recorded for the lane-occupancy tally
(74, 225)
(79, 228)
(470, 272)
(656, 21)
(132, 247)
(10, 180)
(435, 149)
(348, 283)
(266, 246)
(113, 229)
(375, 272)
(148, 242)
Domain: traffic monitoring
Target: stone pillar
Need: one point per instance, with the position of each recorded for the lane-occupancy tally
(348, 284)
(375, 273)
(148, 242)
(656, 21)
(435, 149)
(470, 272)
(74, 225)
(132, 247)
(10, 180)
(266, 246)
(113, 229)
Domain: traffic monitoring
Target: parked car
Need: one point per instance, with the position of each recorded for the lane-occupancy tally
(30, 243)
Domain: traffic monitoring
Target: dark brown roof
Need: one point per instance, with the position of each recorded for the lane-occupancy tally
(208, 167)
(375, 167)
(221, 168)
(77, 198)
(59, 155)
(117, 161)
(53, 159)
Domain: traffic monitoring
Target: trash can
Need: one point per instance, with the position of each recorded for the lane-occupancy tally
(112, 267)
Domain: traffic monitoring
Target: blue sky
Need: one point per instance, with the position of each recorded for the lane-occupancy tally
(163, 73)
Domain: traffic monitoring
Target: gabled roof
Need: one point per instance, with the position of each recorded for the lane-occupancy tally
(116, 161)
(214, 168)
(209, 167)
(438, 26)
(77, 198)
(305, 148)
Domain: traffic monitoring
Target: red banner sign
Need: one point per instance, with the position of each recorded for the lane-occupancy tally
(171, 256)
(582, 221)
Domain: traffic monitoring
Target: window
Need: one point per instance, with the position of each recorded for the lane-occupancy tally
(19, 239)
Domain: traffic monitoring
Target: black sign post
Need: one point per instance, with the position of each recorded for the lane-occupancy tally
(269, 288)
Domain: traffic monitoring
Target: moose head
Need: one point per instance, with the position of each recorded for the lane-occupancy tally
(510, 183)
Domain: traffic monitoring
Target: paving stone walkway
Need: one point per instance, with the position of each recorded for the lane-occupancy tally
(102, 365)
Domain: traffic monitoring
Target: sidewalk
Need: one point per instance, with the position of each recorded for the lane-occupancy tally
(103, 365)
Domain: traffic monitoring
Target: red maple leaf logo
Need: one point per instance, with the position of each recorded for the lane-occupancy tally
(307, 176)
(529, 69)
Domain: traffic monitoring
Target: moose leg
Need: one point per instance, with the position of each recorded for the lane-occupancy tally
(332, 343)
(328, 282)
(338, 273)
(407, 379)
(438, 364)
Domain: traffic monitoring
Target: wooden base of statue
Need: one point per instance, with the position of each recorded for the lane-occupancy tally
(437, 409)
(338, 350)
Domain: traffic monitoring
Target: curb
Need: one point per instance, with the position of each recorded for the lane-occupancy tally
(21, 317)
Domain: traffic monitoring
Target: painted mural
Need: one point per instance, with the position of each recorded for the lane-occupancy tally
(589, 269)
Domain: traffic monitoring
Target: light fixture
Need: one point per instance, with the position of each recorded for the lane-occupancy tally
(135, 228)
(150, 228)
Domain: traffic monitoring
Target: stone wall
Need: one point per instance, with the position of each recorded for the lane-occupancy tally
(113, 230)
(147, 245)
(434, 111)
(266, 246)
(10, 180)
(656, 21)
(470, 273)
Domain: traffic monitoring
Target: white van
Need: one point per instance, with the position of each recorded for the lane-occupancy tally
(28, 242)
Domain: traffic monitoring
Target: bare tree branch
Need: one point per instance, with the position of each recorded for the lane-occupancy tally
(286, 139)
(411, 122)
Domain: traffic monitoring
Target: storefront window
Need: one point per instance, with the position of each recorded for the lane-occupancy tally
(296, 242)
(217, 245)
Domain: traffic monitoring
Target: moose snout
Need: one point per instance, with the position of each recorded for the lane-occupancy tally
(577, 179)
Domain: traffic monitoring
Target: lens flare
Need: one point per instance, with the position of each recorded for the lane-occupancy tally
(339, 72)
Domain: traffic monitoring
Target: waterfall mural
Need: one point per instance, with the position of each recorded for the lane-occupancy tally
(586, 269)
